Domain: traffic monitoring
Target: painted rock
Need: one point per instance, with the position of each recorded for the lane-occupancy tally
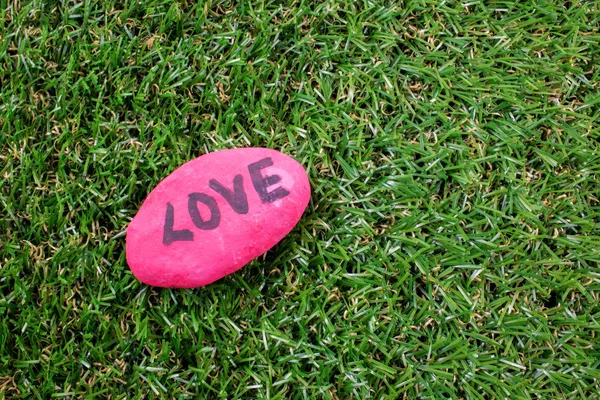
(213, 215)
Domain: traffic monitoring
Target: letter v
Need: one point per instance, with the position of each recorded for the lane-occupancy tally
(237, 198)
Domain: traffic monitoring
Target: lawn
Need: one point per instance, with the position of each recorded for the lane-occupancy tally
(451, 248)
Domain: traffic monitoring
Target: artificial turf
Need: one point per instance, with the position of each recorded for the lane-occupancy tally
(451, 246)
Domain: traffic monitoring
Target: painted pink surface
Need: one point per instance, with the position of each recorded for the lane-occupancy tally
(174, 258)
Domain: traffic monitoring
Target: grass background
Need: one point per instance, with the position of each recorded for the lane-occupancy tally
(450, 249)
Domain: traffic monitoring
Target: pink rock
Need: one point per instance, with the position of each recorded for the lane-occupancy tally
(214, 214)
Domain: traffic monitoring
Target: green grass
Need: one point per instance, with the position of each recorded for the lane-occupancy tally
(451, 248)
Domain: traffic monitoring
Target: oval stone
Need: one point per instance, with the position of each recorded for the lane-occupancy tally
(214, 214)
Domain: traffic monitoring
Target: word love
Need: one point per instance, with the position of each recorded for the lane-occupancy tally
(236, 198)
(213, 215)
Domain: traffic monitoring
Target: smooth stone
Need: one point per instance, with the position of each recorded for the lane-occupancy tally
(214, 214)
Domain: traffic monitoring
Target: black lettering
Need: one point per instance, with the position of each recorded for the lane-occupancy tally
(215, 213)
(169, 235)
(237, 198)
(261, 184)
